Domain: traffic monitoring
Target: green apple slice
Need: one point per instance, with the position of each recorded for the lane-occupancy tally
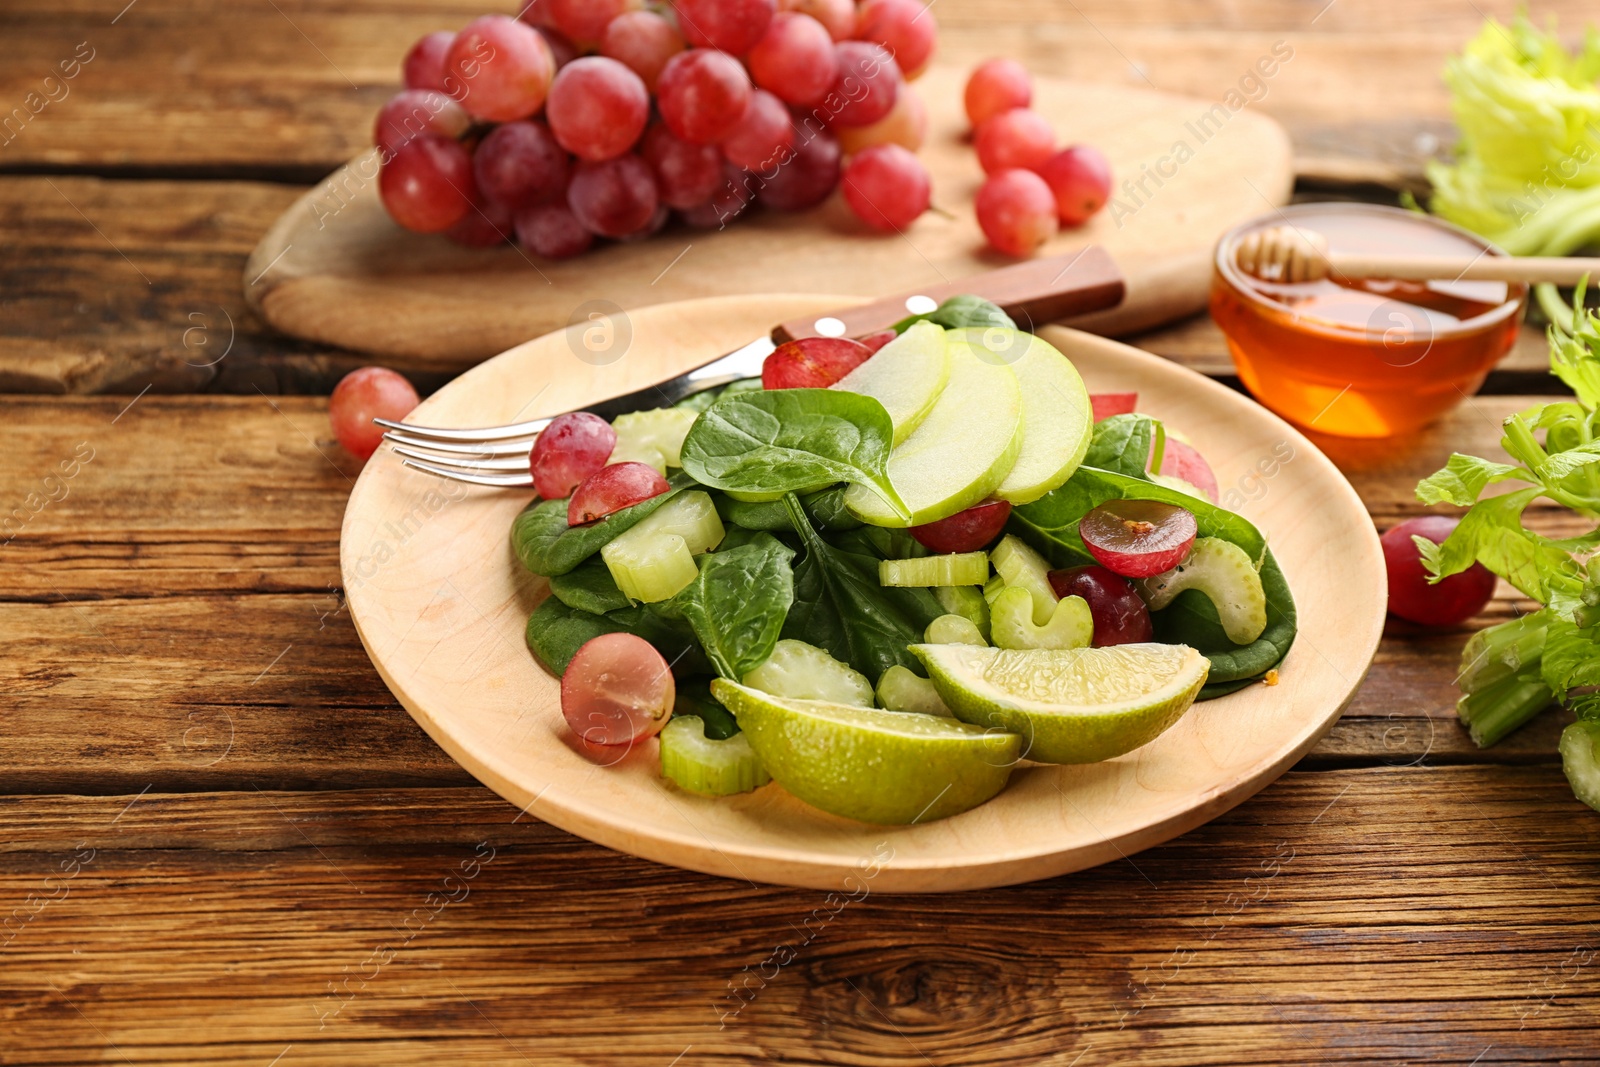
(1056, 418)
(906, 376)
(962, 451)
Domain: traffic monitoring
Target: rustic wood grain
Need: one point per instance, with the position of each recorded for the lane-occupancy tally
(1382, 915)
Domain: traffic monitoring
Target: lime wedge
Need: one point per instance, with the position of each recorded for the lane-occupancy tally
(1078, 705)
(886, 767)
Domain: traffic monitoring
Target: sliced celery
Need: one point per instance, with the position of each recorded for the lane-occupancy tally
(957, 568)
(710, 768)
(655, 558)
(1225, 573)
(1012, 626)
(952, 630)
(806, 672)
(661, 431)
(1580, 758)
(1019, 565)
(966, 601)
(901, 690)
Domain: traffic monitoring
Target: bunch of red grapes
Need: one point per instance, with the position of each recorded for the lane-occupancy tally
(1032, 189)
(603, 118)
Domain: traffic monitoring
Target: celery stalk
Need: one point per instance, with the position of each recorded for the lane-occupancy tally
(1493, 654)
(1580, 759)
(1495, 711)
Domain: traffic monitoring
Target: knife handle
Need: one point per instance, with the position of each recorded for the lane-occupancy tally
(1033, 293)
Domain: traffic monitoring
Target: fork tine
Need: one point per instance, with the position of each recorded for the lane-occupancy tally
(482, 433)
(475, 464)
(463, 448)
(498, 481)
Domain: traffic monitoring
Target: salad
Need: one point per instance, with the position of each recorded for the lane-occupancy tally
(889, 570)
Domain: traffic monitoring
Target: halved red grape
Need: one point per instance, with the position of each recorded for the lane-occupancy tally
(363, 395)
(730, 25)
(838, 17)
(904, 27)
(763, 138)
(812, 362)
(1138, 538)
(1019, 137)
(414, 112)
(1105, 405)
(887, 187)
(1120, 616)
(570, 449)
(486, 224)
(806, 180)
(702, 94)
(794, 59)
(966, 531)
(1454, 600)
(877, 340)
(426, 186)
(687, 174)
(621, 485)
(423, 67)
(644, 41)
(617, 690)
(1016, 212)
(1080, 178)
(585, 20)
(597, 108)
(996, 85)
(614, 198)
(499, 68)
(866, 86)
(551, 231)
(519, 164)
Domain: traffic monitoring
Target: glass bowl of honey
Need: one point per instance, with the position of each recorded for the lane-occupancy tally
(1364, 357)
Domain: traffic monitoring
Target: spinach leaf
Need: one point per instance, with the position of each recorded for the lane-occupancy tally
(784, 440)
(959, 311)
(546, 545)
(694, 698)
(1125, 444)
(825, 508)
(555, 632)
(737, 603)
(1191, 619)
(839, 605)
(1050, 523)
(589, 587)
(883, 542)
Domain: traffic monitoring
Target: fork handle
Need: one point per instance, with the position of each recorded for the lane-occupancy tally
(1033, 293)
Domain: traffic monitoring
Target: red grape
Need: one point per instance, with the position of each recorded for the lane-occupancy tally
(794, 59)
(966, 531)
(1120, 616)
(764, 137)
(487, 223)
(904, 27)
(423, 67)
(733, 196)
(658, 222)
(906, 125)
(812, 362)
(519, 164)
(1454, 600)
(643, 41)
(614, 198)
(1138, 538)
(538, 13)
(1106, 405)
(499, 68)
(552, 231)
(687, 174)
(702, 94)
(1080, 178)
(838, 17)
(597, 108)
(426, 186)
(807, 179)
(361, 396)
(877, 340)
(585, 20)
(617, 690)
(866, 86)
(997, 85)
(413, 112)
(1015, 138)
(887, 187)
(730, 25)
(1179, 459)
(570, 449)
(621, 485)
(562, 50)
(1016, 211)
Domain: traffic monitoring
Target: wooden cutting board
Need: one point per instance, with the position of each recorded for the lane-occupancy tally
(335, 270)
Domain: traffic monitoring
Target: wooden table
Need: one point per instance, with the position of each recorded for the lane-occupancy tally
(225, 842)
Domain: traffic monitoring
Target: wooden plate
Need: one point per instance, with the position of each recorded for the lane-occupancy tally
(334, 269)
(440, 602)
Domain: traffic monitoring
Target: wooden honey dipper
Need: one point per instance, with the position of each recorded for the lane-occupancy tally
(1292, 254)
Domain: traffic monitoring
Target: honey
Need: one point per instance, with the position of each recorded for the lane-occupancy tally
(1364, 357)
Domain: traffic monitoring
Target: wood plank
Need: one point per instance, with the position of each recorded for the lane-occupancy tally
(1355, 916)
